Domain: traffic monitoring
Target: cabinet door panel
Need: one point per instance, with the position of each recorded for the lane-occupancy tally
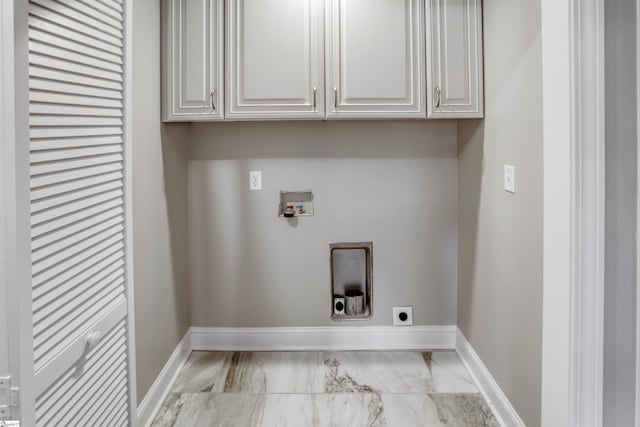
(193, 87)
(275, 59)
(455, 58)
(375, 60)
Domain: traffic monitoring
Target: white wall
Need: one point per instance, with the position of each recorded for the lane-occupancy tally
(159, 208)
(500, 245)
(393, 183)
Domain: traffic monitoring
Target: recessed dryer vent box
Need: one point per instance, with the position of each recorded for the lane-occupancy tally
(302, 202)
(352, 279)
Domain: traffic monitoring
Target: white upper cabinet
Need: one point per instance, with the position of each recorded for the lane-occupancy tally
(275, 59)
(375, 60)
(316, 59)
(193, 58)
(454, 76)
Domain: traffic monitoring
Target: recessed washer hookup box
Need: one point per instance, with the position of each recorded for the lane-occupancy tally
(352, 276)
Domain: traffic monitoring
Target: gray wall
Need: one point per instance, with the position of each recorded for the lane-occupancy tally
(620, 212)
(393, 183)
(500, 246)
(159, 208)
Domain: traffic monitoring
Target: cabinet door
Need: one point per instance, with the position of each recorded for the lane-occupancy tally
(275, 59)
(375, 58)
(454, 56)
(193, 39)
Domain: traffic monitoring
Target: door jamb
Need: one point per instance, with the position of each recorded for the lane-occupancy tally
(128, 203)
(573, 294)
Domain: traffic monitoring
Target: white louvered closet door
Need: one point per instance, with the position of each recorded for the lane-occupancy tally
(79, 250)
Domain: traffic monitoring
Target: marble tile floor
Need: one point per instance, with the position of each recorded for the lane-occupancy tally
(324, 389)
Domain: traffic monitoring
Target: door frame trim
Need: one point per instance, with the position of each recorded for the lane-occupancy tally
(128, 208)
(17, 209)
(573, 288)
(6, 180)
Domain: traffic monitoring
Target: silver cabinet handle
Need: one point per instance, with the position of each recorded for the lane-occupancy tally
(212, 95)
(438, 97)
(335, 97)
(315, 97)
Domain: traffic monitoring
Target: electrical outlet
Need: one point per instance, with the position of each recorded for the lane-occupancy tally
(403, 316)
(255, 180)
(510, 179)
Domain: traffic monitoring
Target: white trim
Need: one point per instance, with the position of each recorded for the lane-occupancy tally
(557, 237)
(324, 338)
(20, 257)
(160, 388)
(573, 272)
(588, 214)
(6, 138)
(128, 205)
(502, 409)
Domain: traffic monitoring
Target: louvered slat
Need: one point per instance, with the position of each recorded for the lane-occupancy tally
(106, 18)
(104, 418)
(72, 132)
(61, 143)
(58, 155)
(70, 99)
(58, 190)
(104, 365)
(74, 121)
(87, 271)
(48, 9)
(61, 250)
(46, 181)
(90, 278)
(60, 224)
(114, 242)
(70, 110)
(50, 85)
(66, 198)
(46, 245)
(50, 38)
(76, 99)
(73, 163)
(69, 317)
(65, 387)
(76, 310)
(117, 6)
(60, 76)
(45, 346)
(67, 60)
(60, 305)
(50, 27)
(103, 8)
(112, 227)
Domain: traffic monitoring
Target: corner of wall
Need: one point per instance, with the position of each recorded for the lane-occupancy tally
(159, 208)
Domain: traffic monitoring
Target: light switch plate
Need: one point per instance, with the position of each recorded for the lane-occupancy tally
(510, 179)
(255, 180)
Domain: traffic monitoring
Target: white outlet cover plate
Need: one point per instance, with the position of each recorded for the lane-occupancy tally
(510, 179)
(396, 316)
(255, 180)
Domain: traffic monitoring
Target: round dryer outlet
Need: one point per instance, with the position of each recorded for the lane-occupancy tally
(403, 316)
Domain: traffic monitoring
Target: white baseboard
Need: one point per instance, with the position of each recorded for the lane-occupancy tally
(324, 338)
(489, 388)
(158, 392)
